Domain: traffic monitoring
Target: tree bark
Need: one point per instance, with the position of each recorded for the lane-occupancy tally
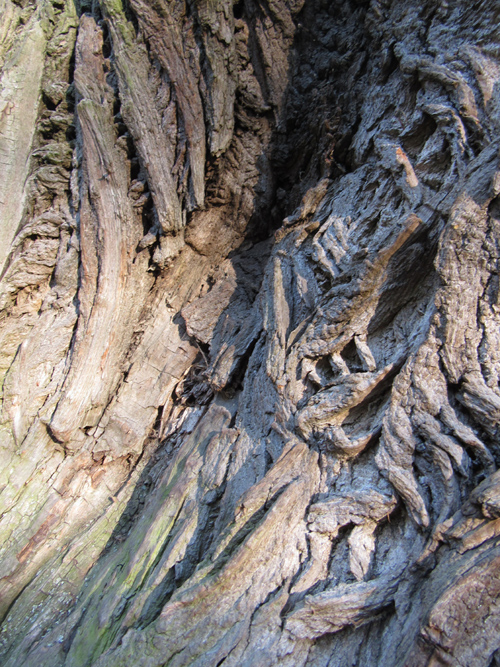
(250, 333)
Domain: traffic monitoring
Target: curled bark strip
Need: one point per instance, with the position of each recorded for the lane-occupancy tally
(249, 333)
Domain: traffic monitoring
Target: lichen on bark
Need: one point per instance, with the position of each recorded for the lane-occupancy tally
(249, 333)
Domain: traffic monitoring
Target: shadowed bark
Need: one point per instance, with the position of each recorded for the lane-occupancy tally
(250, 333)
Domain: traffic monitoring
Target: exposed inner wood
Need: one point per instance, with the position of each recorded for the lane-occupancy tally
(249, 333)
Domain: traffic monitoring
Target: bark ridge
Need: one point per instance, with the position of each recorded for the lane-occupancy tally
(250, 333)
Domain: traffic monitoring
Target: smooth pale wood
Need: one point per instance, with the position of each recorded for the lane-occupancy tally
(249, 333)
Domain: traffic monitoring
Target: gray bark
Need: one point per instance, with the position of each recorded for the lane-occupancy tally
(250, 333)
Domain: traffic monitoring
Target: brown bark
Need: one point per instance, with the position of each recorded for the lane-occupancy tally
(249, 333)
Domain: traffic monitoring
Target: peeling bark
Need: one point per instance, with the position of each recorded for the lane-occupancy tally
(249, 333)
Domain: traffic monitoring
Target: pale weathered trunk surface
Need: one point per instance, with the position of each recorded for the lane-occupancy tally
(250, 333)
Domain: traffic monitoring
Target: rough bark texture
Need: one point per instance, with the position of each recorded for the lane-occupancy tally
(250, 333)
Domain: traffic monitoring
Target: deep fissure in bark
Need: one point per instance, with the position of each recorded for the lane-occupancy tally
(249, 333)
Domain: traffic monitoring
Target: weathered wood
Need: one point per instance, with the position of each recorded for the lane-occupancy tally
(249, 333)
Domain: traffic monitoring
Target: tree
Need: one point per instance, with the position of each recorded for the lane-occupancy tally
(250, 333)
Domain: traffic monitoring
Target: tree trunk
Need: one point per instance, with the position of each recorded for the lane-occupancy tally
(250, 333)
